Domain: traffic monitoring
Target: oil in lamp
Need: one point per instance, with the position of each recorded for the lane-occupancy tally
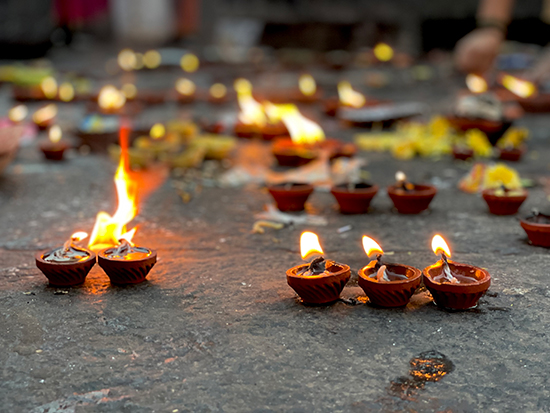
(386, 284)
(409, 198)
(321, 281)
(67, 265)
(54, 147)
(44, 116)
(121, 260)
(454, 285)
(186, 90)
(18, 113)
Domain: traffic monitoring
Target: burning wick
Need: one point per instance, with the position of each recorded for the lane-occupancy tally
(447, 276)
(69, 252)
(309, 245)
(127, 251)
(402, 183)
(381, 274)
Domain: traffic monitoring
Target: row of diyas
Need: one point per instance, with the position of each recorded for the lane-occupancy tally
(453, 285)
(124, 262)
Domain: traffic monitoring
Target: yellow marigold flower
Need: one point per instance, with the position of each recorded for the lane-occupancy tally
(479, 143)
(500, 175)
(439, 127)
(513, 138)
(404, 149)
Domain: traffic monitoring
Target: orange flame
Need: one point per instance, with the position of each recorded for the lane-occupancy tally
(370, 246)
(476, 83)
(439, 246)
(350, 97)
(252, 112)
(519, 87)
(55, 134)
(79, 236)
(108, 230)
(301, 129)
(309, 244)
(307, 85)
(110, 98)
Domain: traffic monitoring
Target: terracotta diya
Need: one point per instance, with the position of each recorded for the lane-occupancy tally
(409, 198)
(321, 281)
(54, 148)
(354, 198)
(290, 196)
(537, 228)
(387, 285)
(67, 265)
(347, 98)
(504, 201)
(44, 117)
(454, 285)
(127, 263)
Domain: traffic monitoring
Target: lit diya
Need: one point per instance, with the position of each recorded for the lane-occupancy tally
(307, 140)
(44, 117)
(321, 281)
(252, 120)
(387, 285)
(409, 198)
(67, 265)
(526, 93)
(537, 228)
(123, 262)
(17, 114)
(54, 147)
(217, 94)
(186, 90)
(347, 98)
(111, 100)
(454, 285)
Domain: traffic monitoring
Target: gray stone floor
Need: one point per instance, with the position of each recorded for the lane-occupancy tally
(216, 327)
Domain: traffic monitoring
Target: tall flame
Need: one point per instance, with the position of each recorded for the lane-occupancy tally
(350, 97)
(307, 85)
(108, 230)
(301, 129)
(519, 87)
(371, 246)
(476, 83)
(439, 246)
(252, 112)
(309, 244)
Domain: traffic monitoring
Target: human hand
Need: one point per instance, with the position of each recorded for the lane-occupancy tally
(476, 52)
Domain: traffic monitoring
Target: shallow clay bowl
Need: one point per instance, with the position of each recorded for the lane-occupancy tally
(319, 289)
(513, 154)
(356, 201)
(503, 205)
(393, 293)
(127, 271)
(457, 296)
(290, 197)
(65, 274)
(414, 201)
(538, 232)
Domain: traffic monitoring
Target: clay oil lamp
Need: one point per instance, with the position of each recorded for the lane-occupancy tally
(347, 98)
(252, 120)
(409, 198)
(511, 146)
(387, 285)
(306, 137)
(18, 114)
(321, 281)
(354, 198)
(186, 90)
(474, 144)
(537, 227)
(454, 285)
(67, 265)
(54, 147)
(111, 100)
(289, 196)
(217, 94)
(121, 260)
(526, 93)
(127, 263)
(503, 191)
(44, 117)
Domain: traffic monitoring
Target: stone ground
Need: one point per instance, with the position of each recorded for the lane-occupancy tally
(216, 327)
